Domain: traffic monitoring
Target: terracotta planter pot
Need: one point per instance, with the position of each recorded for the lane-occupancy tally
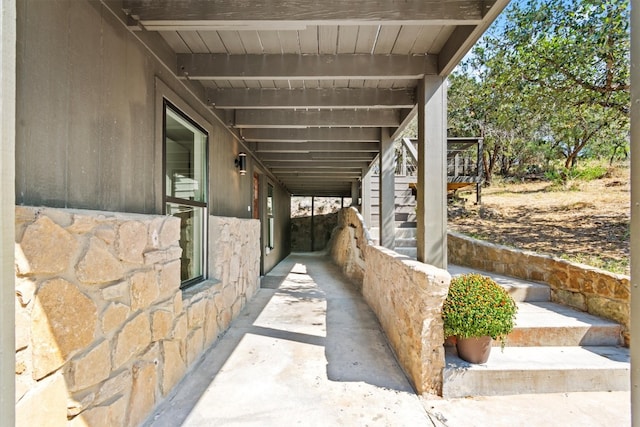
(474, 349)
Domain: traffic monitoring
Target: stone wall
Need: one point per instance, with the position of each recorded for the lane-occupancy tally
(406, 295)
(103, 331)
(576, 285)
(323, 226)
(347, 244)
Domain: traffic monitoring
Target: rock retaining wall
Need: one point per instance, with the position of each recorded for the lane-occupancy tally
(323, 226)
(576, 285)
(406, 295)
(103, 331)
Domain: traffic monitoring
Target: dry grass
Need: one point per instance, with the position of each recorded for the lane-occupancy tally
(590, 223)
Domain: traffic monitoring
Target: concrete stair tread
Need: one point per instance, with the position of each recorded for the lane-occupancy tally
(529, 370)
(546, 358)
(519, 289)
(550, 324)
(549, 314)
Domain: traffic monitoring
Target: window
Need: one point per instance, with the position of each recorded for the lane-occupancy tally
(270, 219)
(185, 183)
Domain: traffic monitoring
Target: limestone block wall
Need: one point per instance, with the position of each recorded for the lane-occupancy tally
(406, 295)
(103, 331)
(234, 259)
(576, 285)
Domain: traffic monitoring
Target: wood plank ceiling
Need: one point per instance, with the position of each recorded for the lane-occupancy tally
(307, 85)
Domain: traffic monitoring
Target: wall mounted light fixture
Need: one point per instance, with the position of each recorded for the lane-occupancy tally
(241, 163)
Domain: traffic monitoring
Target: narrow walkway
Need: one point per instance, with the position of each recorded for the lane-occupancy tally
(307, 350)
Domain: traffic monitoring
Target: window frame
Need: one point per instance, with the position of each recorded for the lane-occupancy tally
(270, 215)
(167, 199)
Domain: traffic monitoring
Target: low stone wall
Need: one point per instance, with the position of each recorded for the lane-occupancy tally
(406, 295)
(323, 226)
(347, 244)
(576, 285)
(103, 331)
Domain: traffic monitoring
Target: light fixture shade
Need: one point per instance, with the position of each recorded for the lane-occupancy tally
(241, 163)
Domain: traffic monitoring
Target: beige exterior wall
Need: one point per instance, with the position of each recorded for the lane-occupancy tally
(103, 330)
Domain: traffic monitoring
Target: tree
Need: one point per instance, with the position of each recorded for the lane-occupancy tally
(549, 81)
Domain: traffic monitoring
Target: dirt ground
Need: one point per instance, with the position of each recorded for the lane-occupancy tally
(587, 222)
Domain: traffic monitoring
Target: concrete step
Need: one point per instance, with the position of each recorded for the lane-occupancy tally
(401, 233)
(399, 224)
(410, 252)
(398, 191)
(405, 199)
(406, 233)
(400, 217)
(519, 289)
(405, 243)
(530, 370)
(547, 324)
(399, 180)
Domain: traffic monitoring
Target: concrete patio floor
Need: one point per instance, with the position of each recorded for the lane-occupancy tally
(308, 351)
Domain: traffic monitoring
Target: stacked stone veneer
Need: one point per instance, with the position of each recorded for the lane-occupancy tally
(406, 295)
(576, 285)
(348, 242)
(103, 331)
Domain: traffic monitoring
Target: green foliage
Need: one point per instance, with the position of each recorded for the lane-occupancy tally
(477, 306)
(588, 171)
(550, 82)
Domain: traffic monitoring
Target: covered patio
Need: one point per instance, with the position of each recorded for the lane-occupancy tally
(312, 94)
(316, 93)
(309, 351)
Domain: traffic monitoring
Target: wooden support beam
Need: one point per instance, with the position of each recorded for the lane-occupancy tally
(324, 172)
(293, 175)
(264, 14)
(310, 157)
(312, 134)
(207, 66)
(329, 98)
(276, 164)
(317, 118)
(387, 191)
(465, 36)
(314, 146)
(431, 210)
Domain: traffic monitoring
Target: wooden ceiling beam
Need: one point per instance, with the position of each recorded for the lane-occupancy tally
(321, 98)
(315, 146)
(209, 66)
(312, 134)
(315, 118)
(290, 15)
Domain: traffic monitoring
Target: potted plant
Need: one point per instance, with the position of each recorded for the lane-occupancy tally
(476, 311)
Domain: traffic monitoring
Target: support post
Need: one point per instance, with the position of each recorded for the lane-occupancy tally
(635, 212)
(387, 191)
(354, 193)
(313, 211)
(365, 198)
(432, 171)
(7, 209)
